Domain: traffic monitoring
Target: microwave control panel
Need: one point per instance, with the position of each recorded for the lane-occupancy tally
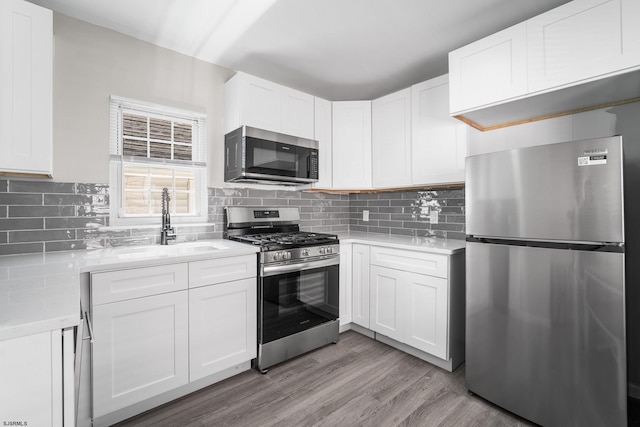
(313, 167)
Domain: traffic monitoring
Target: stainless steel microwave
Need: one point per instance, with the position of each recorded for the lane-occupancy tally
(264, 157)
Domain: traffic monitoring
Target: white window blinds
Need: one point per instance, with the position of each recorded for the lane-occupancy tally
(154, 147)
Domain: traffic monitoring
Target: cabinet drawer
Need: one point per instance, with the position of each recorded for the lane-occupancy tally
(415, 262)
(138, 282)
(212, 271)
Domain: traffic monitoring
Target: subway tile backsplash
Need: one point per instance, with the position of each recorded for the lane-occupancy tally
(410, 213)
(38, 216)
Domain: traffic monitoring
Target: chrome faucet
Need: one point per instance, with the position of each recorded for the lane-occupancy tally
(167, 232)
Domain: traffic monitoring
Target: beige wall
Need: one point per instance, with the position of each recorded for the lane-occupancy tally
(91, 63)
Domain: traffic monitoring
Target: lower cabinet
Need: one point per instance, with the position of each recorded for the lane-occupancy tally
(414, 298)
(386, 301)
(360, 284)
(141, 349)
(35, 389)
(425, 323)
(162, 332)
(345, 286)
(222, 326)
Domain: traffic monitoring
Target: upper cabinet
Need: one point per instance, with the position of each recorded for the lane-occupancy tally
(581, 40)
(489, 70)
(391, 140)
(322, 134)
(26, 84)
(579, 47)
(403, 139)
(438, 142)
(351, 144)
(255, 102)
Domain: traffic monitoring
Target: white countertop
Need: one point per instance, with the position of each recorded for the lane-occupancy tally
(41, 292)
(423, 244)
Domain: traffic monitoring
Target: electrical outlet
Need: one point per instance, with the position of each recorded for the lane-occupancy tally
(365, 215)
(433, 216)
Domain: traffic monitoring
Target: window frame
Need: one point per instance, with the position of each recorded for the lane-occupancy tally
(117, 162)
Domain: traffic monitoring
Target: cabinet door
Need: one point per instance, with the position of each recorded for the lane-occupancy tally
(438, 141)
(391, 140)
(262, 104)
(141, 349)
(489, 70)
(426, 303)
(26, 76)
(581, 40)
(345, 284)
(323, 136)
(259, 103)
(351, 144)
(386, 302)
(296, 113)
(222, 326)
(31, 377)
(360, 282)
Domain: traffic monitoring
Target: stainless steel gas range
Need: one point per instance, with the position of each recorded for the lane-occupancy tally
(298, 281)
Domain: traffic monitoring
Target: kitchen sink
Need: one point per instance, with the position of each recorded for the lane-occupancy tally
(184, 248)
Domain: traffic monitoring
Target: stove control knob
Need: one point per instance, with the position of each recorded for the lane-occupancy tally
(329, 250)
(322, 251)
(305, 252)
(277, 256)
(286, 255)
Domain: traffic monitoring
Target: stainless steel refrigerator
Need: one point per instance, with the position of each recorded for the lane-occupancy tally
(545, 322)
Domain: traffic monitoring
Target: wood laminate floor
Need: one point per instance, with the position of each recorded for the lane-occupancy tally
(357, 382)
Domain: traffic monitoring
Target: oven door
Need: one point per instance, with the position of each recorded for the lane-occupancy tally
(296, 297)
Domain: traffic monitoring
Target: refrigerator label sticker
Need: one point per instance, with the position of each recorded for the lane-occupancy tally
(595, 152)
(593, 157)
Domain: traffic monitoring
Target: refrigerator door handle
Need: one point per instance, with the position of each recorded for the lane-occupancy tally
(616, 247)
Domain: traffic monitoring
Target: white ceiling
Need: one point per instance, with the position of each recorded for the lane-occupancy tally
(335, 49)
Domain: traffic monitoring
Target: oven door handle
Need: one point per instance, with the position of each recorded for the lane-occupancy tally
(272, 270)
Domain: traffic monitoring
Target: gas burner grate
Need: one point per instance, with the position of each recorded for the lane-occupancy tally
(287, 239)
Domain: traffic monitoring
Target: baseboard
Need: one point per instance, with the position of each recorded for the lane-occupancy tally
(363, 331)
(344, 328)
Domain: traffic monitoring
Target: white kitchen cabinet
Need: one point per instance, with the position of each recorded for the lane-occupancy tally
(577, 44)
(222, 326)
(259, 103)
(164, 331)
(323, 134)
(387, 309)
(345, 289)
(360, 284)
(438, 141)
(490, 70)
(141, 350)
(410, 308)
(31, 377)
(119, 285)
(412, 300)
(391, 140)
(296, 113)
(426, 313)
(220, 270)
(582, 40)
(351, 144)
(26, 85)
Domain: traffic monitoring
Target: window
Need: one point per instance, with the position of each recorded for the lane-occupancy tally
(154, 147)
